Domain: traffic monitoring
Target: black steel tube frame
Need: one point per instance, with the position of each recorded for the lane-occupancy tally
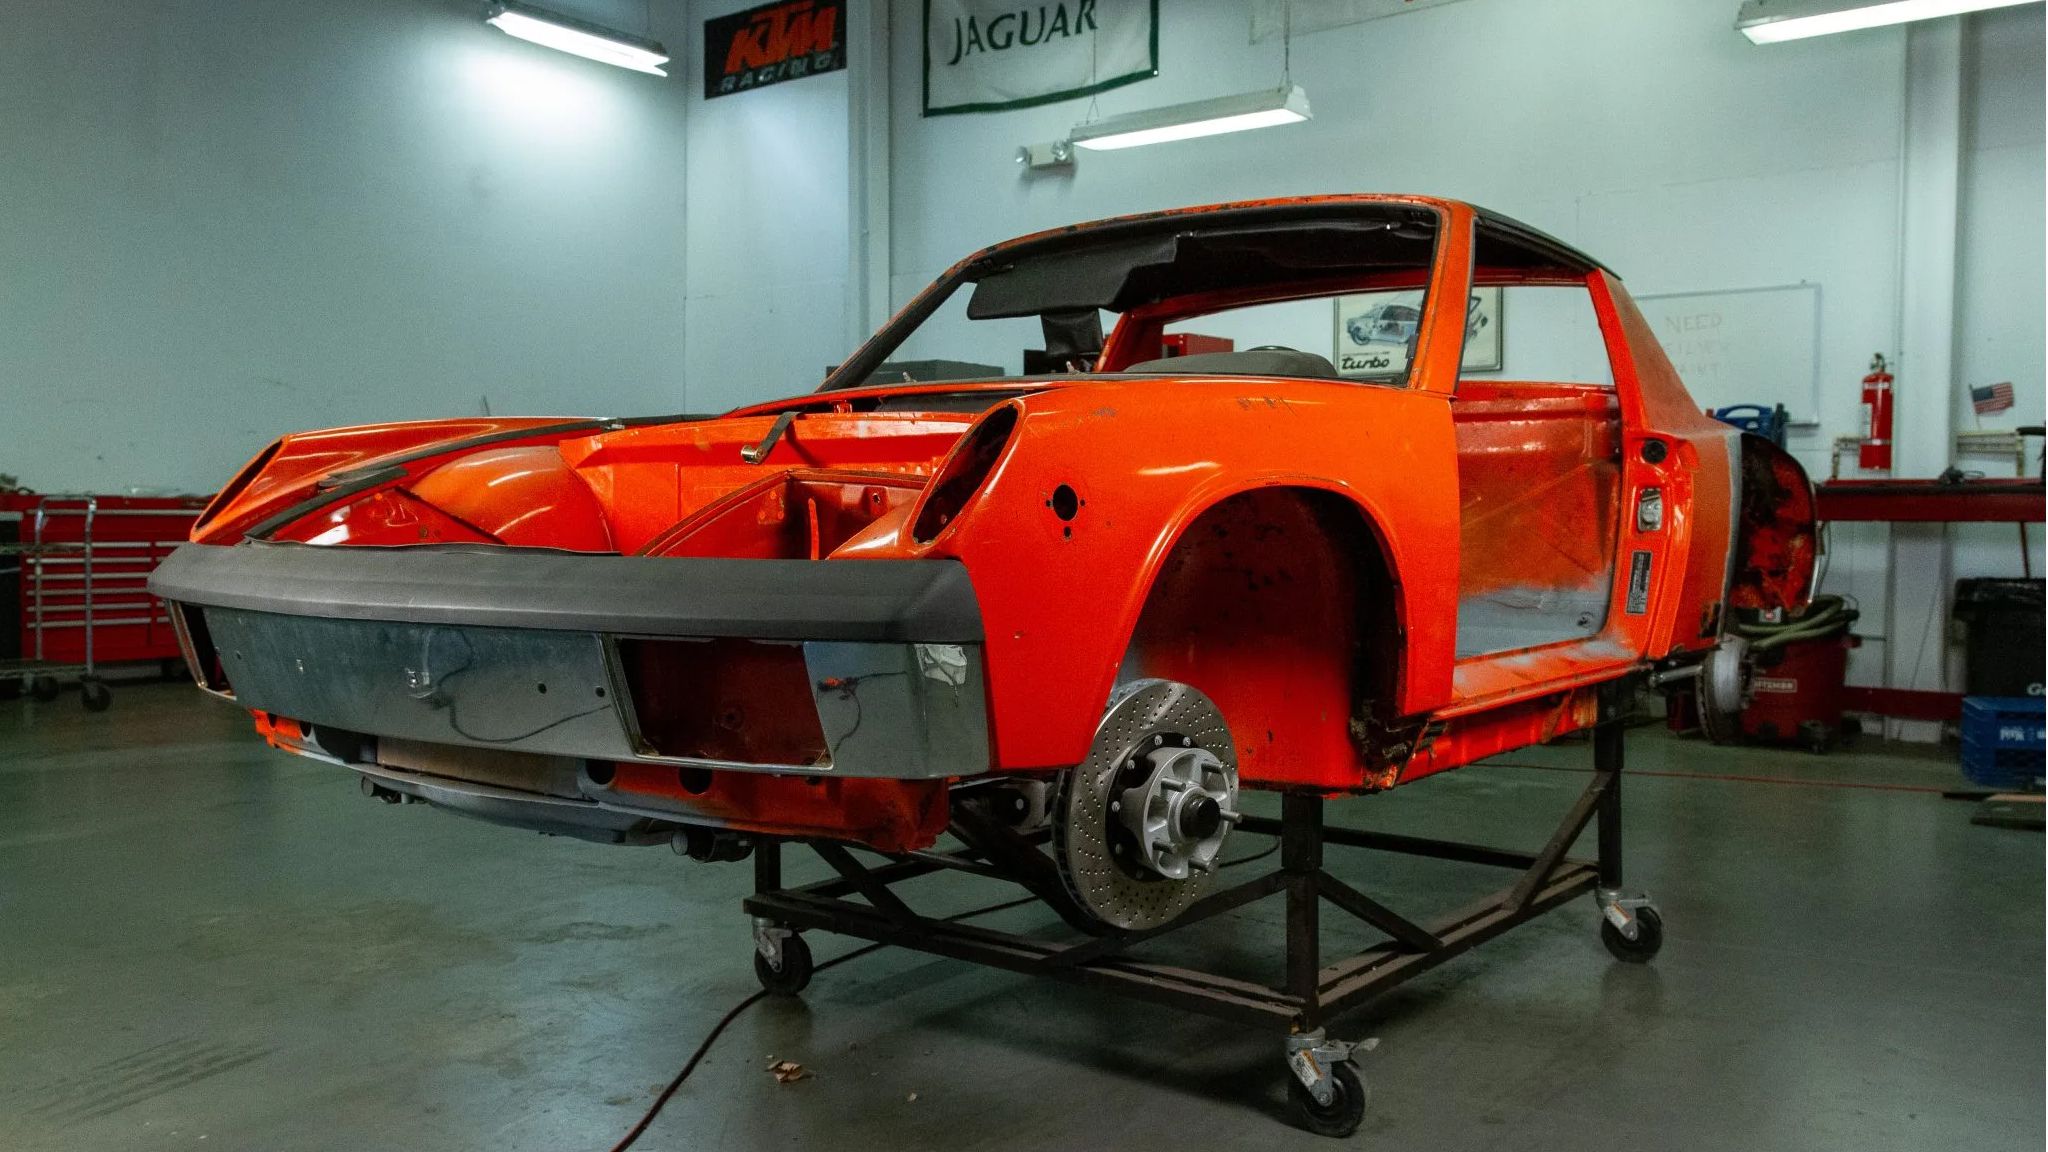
(1311, 991)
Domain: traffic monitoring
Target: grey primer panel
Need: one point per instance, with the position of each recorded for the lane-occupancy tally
(532, 691)
(492, 586)
(903, 711)
(910, 710)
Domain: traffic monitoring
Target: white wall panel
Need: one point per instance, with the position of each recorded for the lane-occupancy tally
(227, 219)
(1526, 107)
(2000, 281)
(768, 234)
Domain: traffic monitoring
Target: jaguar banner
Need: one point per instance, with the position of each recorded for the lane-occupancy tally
(986, 55)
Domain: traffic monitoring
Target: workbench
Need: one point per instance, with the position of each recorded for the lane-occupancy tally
(1981, 500)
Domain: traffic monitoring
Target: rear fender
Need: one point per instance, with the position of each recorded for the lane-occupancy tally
(1777, 545)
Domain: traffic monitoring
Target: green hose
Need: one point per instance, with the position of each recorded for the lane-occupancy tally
(1825, 616)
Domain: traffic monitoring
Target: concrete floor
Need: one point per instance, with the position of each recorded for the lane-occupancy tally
(206, 945)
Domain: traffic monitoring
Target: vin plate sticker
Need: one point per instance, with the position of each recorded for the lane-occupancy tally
(1639, 584)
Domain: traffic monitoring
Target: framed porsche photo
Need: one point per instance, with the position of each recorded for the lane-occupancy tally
(1376, 332)
(1485, 329)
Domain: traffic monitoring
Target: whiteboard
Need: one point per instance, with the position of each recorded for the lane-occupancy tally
(1744, 345)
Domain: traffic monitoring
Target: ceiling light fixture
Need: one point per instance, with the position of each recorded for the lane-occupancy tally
(1212, 117)
(577, 37)
(1775, 21)
(1287, 104)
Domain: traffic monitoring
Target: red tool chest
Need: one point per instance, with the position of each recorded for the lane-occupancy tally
(128, 536)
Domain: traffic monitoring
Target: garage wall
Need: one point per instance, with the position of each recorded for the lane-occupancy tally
(225, 219)
(2000, 334)
(768, 233)
(1651, 134)
(2000, 267)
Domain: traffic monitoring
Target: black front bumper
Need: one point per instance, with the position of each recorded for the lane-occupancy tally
(899, 601)
(518, 650)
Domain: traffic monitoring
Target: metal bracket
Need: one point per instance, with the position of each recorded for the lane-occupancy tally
(1311, 1055)
(755, 453)
(768, 938)
(1620, 908)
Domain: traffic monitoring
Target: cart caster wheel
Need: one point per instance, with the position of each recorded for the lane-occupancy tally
(1649, 937)
(95, 695)
(1818, 738)
(794, 975)
(43, 688)
(1341, 1115)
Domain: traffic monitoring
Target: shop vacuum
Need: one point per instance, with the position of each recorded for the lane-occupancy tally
(1796, 687)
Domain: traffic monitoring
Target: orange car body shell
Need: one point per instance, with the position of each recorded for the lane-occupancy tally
(1433, 473)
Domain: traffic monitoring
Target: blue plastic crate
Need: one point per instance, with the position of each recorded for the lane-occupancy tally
(2005, 742)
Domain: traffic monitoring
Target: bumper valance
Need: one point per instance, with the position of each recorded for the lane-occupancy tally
(902, 601)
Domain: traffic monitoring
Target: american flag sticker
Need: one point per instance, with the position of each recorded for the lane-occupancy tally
(1991, 398)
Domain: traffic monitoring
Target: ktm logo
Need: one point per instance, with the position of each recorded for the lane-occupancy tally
(782, 33)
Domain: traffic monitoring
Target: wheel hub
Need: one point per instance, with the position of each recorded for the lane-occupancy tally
(1724, 686)
(1178, 816)
(1138, 825)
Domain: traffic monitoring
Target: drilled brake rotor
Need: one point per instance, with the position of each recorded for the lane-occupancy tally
(1102, 866)
(1724, 689)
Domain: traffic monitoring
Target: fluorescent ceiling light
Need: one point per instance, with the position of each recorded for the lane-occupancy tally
(1774, 21)
(577, 37)
(1201, 118)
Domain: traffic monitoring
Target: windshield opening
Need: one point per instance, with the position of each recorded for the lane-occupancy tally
(1271, 291)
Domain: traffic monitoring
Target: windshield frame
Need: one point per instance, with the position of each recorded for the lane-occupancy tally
(1450, 259)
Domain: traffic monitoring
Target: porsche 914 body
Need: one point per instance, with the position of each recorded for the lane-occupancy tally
(829, 615)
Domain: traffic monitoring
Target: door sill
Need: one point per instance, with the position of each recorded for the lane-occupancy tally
(1498, 678)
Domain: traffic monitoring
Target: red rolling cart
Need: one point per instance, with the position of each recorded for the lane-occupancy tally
(76, 568)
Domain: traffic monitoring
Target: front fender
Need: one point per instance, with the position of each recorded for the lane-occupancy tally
(1062, 576)
(302, 464)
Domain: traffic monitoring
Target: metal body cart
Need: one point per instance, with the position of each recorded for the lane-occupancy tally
(1327, 1092)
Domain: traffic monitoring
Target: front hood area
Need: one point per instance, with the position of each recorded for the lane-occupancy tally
(822, 474)
(297, 466)
(689, 489)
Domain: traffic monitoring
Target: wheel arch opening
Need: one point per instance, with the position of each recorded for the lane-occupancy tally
(1281, 604)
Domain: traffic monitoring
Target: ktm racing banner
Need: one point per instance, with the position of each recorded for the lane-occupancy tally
(775, 42)
(985, 55)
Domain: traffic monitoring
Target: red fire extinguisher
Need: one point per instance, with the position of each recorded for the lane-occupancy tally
(1875, 452)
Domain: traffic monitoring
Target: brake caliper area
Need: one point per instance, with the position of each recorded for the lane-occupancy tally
(1137, 826)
